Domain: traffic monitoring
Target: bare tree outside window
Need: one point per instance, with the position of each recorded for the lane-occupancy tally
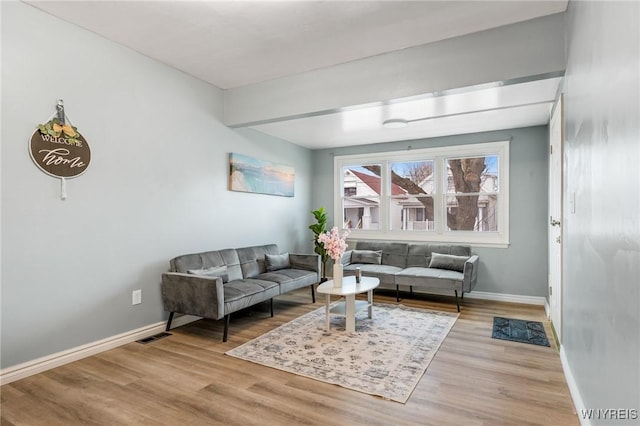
(474, 181)
(412, 208)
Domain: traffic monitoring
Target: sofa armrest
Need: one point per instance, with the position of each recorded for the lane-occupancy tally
(470, 272)
(309, 262)
(193, 294)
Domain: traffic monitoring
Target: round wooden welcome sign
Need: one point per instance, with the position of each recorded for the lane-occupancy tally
(58, 149)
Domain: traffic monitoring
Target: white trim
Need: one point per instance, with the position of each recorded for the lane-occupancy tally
(427, 237)
(485, 295)
(573, 388)
(38, 365)
(547, 308)
(512, 298)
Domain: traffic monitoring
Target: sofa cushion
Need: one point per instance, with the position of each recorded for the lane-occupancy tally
(240, 294)
(448, 261)
(290, 279)
(216, 271)
(373, 257)
(197, 261)
(252, 261)
(277, 261)
(385, 273)
(431, 278)
(420, 254)
(394, 254)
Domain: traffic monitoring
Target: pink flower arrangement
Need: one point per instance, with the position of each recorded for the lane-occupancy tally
(334, 243)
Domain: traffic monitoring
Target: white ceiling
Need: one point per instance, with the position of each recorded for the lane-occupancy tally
(237, 43)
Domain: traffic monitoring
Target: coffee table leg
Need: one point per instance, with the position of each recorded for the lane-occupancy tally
(327, 312)
(350, 313)
(370, 301)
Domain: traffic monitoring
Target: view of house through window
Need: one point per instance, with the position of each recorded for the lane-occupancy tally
(437, 192)
(361, 203)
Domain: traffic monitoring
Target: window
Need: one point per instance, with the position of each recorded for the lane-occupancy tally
(361, 201)
(472, 194)
(411, 199)
(448, 194)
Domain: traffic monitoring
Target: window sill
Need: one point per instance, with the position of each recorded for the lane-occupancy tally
(492, 241)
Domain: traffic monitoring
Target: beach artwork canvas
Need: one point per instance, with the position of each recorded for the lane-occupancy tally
(247, 174)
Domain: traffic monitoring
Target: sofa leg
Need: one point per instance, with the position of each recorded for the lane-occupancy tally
(169, 321)
(271, 306)
(457, 301)
(410, 291)
(226, 327)
(397, 293)
(461, 295)
(313, 294)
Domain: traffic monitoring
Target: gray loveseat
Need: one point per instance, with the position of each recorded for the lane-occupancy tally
(428, 267)
(215, 284)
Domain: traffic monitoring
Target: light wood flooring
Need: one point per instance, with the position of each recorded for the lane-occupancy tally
(186, 379)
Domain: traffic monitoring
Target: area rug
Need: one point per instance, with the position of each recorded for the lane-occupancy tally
(386, 355)
(519, 331)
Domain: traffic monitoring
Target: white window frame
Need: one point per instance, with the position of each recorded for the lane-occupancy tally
(500, 238)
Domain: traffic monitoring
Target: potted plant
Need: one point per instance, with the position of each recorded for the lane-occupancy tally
(319, 228)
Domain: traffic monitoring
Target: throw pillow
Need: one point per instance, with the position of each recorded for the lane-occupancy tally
(277, 261)
(216, 271)
(448, 261)
(366, 256)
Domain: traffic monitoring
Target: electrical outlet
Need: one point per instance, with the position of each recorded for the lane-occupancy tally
(136, 297)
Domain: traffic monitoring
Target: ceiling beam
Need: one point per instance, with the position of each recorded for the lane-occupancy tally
(516, 51)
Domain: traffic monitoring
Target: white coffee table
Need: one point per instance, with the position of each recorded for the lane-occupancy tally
(349, 307)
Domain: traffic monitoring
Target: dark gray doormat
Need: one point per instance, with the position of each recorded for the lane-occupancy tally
(519, 331)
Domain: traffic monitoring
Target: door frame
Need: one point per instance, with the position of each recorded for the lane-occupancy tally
(556, 220)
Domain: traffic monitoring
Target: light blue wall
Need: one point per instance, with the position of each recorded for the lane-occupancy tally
(601, 298)
(520, 269)
(156, 187)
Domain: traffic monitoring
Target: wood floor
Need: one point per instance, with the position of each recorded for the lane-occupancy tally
(185, 379)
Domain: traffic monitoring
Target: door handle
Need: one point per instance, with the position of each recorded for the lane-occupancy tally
(553, 222)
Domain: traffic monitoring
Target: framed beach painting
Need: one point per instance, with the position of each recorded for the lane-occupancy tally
(247, 174)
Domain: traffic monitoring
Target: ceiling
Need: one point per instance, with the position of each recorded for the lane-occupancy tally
(466, 110)
(232, 44)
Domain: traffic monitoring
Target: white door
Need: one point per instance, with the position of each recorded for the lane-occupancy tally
(555, 218)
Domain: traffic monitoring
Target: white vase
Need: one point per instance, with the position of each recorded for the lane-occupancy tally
(337, 274)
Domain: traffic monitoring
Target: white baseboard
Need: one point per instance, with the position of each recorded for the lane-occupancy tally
(573, 388)
(485, 295)
(513, 298)
(48, 362)
(29, 368)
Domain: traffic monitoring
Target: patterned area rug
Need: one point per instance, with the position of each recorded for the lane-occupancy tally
(386, 356)
(519, 331)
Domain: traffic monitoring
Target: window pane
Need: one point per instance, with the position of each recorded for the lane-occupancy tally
(412, 177)
(361, 186)
(472, 213)
(412, 213)
(361, 213)
(361, 181)
(472, 175)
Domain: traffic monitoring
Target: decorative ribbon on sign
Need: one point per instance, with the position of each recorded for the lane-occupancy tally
(58, 149)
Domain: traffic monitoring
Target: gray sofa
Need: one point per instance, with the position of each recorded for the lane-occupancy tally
(215, 284)
(427, 267)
